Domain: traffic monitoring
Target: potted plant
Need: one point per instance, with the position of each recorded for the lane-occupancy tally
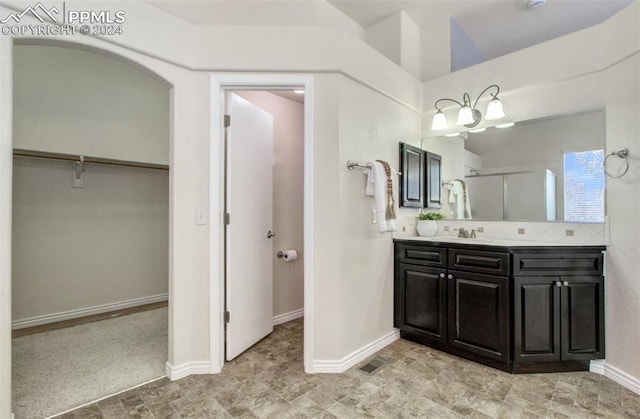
(426, 225)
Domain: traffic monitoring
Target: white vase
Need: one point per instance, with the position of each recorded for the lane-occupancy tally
(426, 228)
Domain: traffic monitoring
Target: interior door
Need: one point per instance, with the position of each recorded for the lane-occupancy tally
(249, 247)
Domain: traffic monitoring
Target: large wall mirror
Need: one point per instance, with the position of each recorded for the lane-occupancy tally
(540, 170)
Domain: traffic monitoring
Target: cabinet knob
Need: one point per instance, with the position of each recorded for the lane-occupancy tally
(442, 275)
(450, 276)
(565, 283)
(558, 284)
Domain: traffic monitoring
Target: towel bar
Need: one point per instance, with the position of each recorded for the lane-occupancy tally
(351, 164)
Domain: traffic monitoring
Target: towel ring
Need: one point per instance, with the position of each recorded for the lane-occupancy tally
(623, 154)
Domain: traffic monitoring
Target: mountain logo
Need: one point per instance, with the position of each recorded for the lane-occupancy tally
(38, 11)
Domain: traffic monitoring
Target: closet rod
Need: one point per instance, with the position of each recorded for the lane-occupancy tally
(94, 160)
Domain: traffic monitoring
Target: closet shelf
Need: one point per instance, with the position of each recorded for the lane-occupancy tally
(93, 160)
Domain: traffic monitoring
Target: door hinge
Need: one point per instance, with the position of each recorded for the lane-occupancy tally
(227, 316)
(227, 121)
(227, 218)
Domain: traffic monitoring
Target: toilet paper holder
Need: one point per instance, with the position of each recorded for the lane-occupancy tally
(280, 254)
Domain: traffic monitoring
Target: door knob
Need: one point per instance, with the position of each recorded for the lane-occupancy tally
(558, 284)
(270, 234)
(565, 283)
(442, 275)
(450, 276)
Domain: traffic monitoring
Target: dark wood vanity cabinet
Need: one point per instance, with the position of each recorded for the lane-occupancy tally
(449, 299)
(533, 311)
(558, 307)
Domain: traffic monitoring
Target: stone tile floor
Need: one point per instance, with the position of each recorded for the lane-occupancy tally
(268, 381)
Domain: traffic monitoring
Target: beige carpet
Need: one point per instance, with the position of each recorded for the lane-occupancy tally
(61, 369)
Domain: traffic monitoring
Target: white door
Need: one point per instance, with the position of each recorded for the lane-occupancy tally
(249, 282)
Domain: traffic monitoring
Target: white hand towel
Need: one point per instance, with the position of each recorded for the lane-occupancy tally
(380, 194)
(455, 190)
(460, 193)
(370, 188)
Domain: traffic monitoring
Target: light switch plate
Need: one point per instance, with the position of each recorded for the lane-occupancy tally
(201, 216)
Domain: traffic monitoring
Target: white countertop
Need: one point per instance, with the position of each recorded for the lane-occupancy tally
(491, 242)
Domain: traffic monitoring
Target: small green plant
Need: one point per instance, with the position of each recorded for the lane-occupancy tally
(430, 216)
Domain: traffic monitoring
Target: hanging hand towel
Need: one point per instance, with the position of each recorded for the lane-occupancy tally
(463, 208)
(383, 191)
(370, 189)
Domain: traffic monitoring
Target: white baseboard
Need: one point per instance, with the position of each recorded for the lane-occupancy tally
(88, 311)
(341, 365)
(287, 317)
(617, 375)
(190, 368)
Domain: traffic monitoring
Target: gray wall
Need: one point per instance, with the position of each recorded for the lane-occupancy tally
(78, 248)
(80, 102)
(107, 242)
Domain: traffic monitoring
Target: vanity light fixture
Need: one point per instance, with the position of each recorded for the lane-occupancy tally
(468, 115)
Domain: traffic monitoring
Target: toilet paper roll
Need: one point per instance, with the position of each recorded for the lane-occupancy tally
(289, 255)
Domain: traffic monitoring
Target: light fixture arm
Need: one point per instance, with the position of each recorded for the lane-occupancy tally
(447, 99)
(485, 91)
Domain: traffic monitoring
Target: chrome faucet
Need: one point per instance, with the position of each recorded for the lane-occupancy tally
(463, 233)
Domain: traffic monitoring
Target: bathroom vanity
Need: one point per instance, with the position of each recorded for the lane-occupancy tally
(517, 306)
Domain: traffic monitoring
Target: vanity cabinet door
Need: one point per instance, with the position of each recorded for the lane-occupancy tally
(582, 320)
(479, 314)
(421, 301)
(536, 317)
(411, 184)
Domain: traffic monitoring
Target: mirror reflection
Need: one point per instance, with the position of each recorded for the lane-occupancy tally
(540, 170)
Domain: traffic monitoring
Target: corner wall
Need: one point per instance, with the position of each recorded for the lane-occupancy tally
(354, 293)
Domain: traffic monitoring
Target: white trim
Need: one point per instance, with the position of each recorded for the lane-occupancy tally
(87, 311)
(616, 374)
(597, 366)
(220, 83)
(287, 317)
(341, 365)
(102, 398)
(189, 368)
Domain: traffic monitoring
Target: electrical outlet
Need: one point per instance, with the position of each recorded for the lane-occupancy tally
(404, 228)
(521, 230)
(480, 229)
(446, 228)
(568, 233)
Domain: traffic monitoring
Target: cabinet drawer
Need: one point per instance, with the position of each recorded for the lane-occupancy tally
(496, 263)
(421, 255)
(558, 264)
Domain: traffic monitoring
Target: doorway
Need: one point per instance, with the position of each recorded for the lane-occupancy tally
(221, 86)
(264, 191)
(90, 226)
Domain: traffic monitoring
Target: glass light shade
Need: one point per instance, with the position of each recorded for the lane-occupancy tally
(465, 116)
(494, 110)
(439, 122)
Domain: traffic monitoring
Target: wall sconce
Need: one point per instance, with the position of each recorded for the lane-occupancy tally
(469, 116)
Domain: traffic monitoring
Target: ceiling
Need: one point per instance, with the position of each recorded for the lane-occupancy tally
(496, 27)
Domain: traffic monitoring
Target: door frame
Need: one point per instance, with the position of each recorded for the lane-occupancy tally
(221, 83)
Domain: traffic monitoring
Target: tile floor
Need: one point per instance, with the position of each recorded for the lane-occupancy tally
(268, 381)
